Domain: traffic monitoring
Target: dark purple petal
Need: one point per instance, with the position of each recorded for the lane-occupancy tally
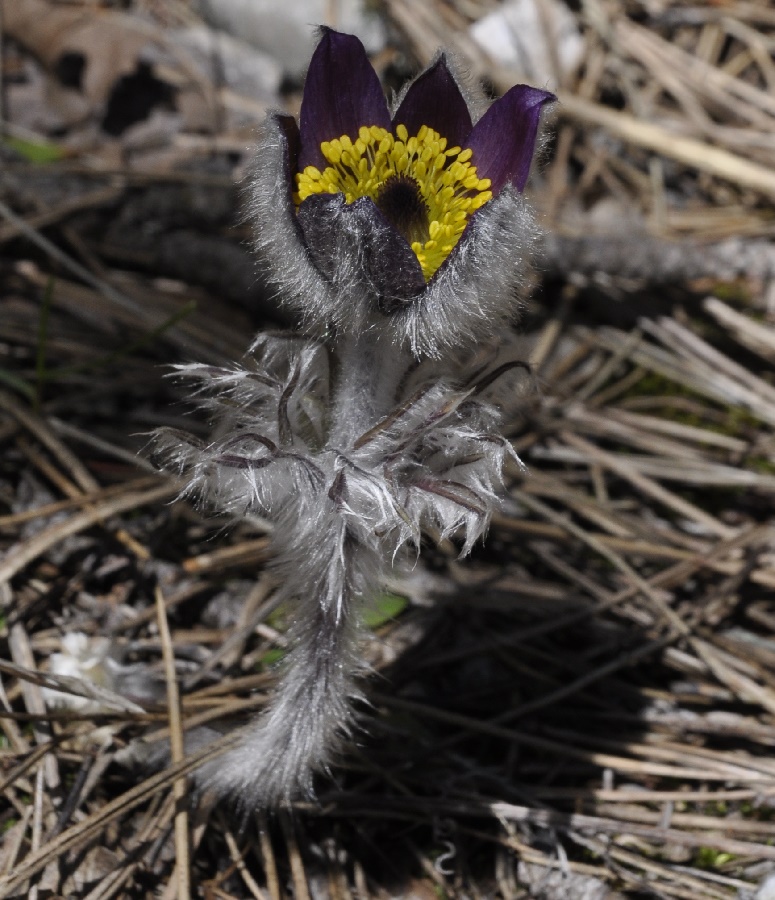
(434, 99)
(343, 235)
(503, 140)
(342, 92)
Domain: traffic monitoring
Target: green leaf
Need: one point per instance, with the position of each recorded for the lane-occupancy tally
(40, 152)
(272, 657)
(710, 858)
(385, 608)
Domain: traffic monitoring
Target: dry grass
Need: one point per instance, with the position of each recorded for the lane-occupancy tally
(586, 708)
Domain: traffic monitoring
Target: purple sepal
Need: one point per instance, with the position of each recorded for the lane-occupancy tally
(503, 140)
(342, 92)
(289, 132)
(434, 99)
(288, 139)
(341, 236)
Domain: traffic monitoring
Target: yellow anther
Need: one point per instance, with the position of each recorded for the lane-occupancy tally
(447, 182)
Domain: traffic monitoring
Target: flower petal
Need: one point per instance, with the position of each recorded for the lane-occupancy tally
(503, 140)
(342, 93)
(354, 238)
(434, 99)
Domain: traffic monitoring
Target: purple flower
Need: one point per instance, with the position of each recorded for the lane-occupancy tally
(411, 223)
(398, 237)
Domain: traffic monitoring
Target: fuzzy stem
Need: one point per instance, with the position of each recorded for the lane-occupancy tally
(327, 563)
(325, 571)
(370, 369)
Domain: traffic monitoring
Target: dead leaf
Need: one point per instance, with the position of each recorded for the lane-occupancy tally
(121, 65)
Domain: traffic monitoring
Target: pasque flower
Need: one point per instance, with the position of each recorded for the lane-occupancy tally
(402, 241)
(421, 206)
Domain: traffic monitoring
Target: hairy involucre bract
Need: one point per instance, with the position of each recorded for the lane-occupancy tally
(376, 422)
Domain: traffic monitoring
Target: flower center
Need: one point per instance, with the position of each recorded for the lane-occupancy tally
(426, 191)
(400, 201)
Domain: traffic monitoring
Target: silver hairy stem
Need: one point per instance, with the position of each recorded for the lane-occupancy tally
(328, 563)
(370, 369)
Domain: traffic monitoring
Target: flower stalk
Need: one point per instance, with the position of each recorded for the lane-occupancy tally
(403, 243)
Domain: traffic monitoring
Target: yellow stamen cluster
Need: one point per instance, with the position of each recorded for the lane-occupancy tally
(447, 181)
